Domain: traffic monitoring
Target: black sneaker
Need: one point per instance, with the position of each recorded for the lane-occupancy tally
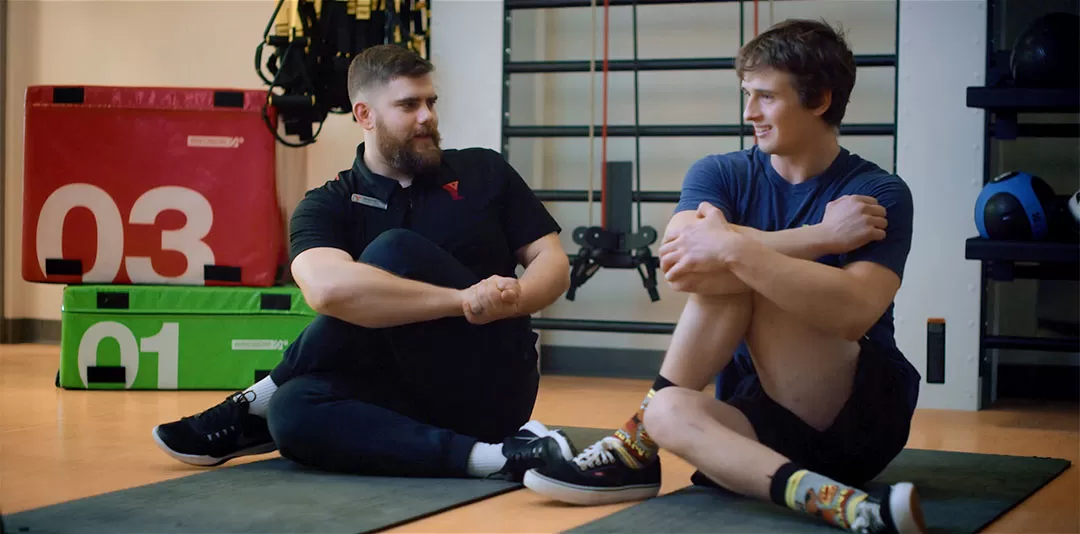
(894, 510)
(601, 474)
(217, 435)
(533, 445)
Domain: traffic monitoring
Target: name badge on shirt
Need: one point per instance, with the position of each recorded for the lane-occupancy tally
(368, 201)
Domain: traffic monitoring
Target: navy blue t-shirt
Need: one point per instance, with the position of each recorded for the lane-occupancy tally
(746, 188)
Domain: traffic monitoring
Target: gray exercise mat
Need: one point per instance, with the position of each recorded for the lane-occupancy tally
(961, 492)
(273, 495)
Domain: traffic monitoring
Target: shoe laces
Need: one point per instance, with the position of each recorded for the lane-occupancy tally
(598, 454)
(221, 419)
(868, 518)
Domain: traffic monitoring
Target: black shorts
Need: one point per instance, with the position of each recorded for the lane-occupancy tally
(870, 430)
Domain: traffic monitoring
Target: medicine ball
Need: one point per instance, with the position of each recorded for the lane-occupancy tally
(1047, 53)
(1015, 206)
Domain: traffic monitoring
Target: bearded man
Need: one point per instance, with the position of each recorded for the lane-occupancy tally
(421, 360)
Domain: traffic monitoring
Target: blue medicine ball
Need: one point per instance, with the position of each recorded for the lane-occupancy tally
(1014, 206)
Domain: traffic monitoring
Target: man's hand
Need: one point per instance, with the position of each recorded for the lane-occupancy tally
(853, 221)
(491, 299)
(694, 257)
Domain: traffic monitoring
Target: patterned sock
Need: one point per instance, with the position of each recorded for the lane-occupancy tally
(805, 491)
(639, 448)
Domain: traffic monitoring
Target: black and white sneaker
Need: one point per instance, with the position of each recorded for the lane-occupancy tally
(533, 445)
(895, 510)
(216, 435)
(601, 474)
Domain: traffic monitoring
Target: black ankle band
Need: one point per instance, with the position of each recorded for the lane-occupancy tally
(778, 486)
(661, 383)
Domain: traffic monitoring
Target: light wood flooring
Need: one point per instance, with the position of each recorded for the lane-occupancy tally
(58, 445)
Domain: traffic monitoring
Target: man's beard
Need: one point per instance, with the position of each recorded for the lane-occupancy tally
(404, 156)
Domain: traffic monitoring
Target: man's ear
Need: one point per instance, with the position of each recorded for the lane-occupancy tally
(825, 102)
(364, 114)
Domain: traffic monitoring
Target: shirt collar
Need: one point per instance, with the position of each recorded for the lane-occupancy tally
(381, 186)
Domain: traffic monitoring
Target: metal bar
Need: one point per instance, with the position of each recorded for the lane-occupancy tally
(589, 325)
(986, 367)
(550, 4)
(1050, 344)
(627, 65)
(582, 195)
(676, 130)
(637, 115)
(742, 96)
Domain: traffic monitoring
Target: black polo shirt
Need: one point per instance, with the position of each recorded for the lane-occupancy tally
(475, 206)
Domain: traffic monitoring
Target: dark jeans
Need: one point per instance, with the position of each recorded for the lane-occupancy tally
(410, 400)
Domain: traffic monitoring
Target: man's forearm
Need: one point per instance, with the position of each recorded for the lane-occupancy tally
(823, 296)
(368, 296)
(804, 242)
(545, 279)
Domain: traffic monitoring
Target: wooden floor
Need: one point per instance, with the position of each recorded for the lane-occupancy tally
(57, 445)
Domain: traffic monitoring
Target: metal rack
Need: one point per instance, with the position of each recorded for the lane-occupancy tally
(1006, 261)
(637, 130)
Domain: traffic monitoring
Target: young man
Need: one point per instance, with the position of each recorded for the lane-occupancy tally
(421, 360)
(792, 251)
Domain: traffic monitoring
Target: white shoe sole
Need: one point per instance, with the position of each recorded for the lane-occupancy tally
(588, 496)
(210, 461)
(904, 506)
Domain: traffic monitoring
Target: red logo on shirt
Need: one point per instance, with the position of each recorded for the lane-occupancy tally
(452, 189)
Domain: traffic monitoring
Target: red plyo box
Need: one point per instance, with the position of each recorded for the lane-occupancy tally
(149, 185)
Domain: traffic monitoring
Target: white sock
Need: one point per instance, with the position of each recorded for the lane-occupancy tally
(263, 390)
(485, 459)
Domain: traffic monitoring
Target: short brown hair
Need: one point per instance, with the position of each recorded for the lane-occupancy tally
(378, 65)
(815, 55)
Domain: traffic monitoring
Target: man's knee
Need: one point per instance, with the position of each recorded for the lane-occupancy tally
(289, 419)
(669, 416)
(675, 416)
(732, 310)
(397, 250)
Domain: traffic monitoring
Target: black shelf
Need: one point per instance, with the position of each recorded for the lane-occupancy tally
(1048, 344)
(1022, 251)
(674, 130)
(629, 65)
(582, 195)
(1024, 100)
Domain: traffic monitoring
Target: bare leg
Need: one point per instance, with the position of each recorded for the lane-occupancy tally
(714, 437)
(792, 361)
(708, 331)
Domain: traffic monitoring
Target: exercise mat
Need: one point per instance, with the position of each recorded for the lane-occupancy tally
(273, 495)
(960, 492)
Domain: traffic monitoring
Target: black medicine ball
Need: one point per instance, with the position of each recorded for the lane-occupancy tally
(1047, 53)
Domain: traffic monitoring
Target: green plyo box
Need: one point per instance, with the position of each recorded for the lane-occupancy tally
(175, 337)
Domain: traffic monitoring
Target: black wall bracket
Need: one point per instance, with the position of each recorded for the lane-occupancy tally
(615, 245)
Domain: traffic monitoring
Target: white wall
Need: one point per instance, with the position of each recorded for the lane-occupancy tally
(940, 155)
